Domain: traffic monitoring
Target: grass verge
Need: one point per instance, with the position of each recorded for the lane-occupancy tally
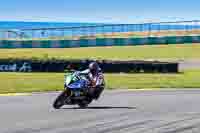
(40, 82)
(177, 52)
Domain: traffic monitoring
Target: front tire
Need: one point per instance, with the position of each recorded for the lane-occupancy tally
(60, 100)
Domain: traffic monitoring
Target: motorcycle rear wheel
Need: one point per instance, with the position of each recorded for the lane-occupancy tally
(84, 104)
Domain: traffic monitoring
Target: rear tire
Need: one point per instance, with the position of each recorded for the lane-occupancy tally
(84, 104)
(60, 100)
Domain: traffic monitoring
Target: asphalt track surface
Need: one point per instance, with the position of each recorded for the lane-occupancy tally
(189, 64)
(116, 111)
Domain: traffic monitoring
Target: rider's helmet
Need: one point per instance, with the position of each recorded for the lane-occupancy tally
(94, 68)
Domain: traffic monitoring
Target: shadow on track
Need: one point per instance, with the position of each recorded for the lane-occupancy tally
(102, 107)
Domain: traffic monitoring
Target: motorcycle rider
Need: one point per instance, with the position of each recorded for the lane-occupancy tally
(96, 79)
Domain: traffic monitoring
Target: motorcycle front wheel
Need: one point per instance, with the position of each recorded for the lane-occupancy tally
(60, 100)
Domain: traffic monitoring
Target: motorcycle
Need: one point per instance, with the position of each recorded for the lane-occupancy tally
(75, 92)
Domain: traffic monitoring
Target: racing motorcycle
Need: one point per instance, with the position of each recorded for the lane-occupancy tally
(75, 92)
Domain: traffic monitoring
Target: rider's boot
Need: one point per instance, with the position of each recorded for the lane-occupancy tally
(97, 92)
(91, 92)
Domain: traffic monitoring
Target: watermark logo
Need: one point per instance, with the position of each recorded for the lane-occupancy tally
(25, 67)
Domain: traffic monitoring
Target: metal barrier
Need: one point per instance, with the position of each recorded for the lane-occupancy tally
(98, 42)
(180, 28)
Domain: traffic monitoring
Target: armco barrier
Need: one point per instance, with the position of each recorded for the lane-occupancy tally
(106, 65)
(98, 42)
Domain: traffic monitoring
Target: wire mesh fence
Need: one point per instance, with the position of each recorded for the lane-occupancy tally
(180, 28)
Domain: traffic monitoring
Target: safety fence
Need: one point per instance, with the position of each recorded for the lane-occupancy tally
(179, 28)
(98, 42)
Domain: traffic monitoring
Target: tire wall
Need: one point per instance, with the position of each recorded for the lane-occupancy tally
(16, 65)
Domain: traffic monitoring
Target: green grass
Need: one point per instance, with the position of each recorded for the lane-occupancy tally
(35, 82)
(166, 52)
